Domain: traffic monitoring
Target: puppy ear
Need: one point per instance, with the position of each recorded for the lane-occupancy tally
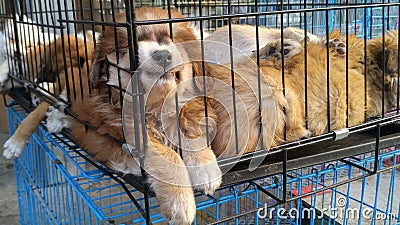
(382, 58)
(97, 64)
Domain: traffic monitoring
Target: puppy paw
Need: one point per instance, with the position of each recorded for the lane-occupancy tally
(5, 85)
(299, 133)
(306, 134)
(56, 120)
(204, 172)
(35, 100)
(337, 45)
(177, 203)
(180, 207)
(13, 149)
(205, 177)
(274, 49)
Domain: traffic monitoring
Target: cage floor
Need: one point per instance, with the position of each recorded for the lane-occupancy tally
(70, 190)
(351, 203)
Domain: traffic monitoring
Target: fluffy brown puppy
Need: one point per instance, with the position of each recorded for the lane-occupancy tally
(53, 68)
(378, 58)
(165, 71)
(382, 64)
(167, 67)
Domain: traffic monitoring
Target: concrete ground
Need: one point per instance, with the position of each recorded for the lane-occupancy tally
(9, 213)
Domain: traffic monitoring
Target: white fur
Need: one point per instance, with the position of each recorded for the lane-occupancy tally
(217, 48)
(29, 35)
(4, 82)
(197, 32)
(13, 149)
(4, 69)
(56, 119)
(89, 35)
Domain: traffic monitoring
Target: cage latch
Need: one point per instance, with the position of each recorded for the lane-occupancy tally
(341, 134)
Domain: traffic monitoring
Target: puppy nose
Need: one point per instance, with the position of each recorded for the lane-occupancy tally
(162, 57)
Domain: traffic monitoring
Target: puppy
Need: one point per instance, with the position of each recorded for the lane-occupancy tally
(166, 71)
(341, 114)
(382, 65)
(244, 41)
(31, 42)
(53, 68)
(169, 70)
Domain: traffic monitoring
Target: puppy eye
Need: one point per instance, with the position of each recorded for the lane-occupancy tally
(164, 40)
(121, 52)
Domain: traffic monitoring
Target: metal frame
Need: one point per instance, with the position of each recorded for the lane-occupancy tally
(365, 138)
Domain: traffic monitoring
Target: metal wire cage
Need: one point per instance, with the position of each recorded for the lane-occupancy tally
(67, 186)
(57, 185)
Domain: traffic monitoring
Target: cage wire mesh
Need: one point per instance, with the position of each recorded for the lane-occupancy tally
(57, 185)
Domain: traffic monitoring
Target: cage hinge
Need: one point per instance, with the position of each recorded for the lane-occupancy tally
(341, 134)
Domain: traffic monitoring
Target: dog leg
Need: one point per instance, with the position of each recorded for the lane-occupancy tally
(295, 129)
(170, 181)
(199, 158)
(298, 35)
(16, 144)
(338, 107)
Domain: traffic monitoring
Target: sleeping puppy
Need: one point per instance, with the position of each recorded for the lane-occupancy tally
(172, 74)
(53, 68)
(165, 72)
(379, 59)
(244, 41)
(382, 64)
(30, 40)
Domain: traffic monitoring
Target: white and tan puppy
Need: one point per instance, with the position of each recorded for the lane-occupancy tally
(52, 67)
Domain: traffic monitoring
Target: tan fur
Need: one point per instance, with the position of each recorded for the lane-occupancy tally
(376, 64)
(74, 67)
(317, 83)
(170, 176)
(50, 71)
(30, 123)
